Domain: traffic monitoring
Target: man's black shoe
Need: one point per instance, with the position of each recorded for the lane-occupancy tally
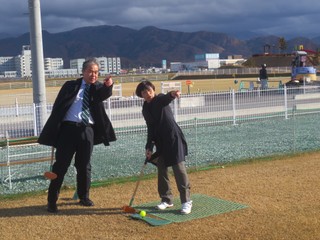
(52, 207)
(86, 202)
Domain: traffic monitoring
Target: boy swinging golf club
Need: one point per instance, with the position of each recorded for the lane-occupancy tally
(171, 146)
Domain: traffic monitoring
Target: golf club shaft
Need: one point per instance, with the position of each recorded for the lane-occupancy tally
(52, 156)
(137, 185)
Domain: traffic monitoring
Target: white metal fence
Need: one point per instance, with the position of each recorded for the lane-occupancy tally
(212, 108)
(235, 71)
(22, 165)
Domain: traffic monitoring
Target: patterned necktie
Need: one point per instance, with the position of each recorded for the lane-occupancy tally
(85, 105)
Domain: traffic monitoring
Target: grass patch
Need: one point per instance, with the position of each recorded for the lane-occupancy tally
(124, 180)
(250, 161)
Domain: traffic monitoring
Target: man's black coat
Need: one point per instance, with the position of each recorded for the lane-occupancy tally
(103, 130)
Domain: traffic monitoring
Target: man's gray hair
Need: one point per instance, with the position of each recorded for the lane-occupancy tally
(88, 62)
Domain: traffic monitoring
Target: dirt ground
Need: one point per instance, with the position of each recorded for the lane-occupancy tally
(282, 194)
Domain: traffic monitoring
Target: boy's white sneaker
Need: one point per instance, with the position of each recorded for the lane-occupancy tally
(186, 207)
(164, 205)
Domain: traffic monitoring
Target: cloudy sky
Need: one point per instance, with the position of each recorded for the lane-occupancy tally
(282, 18)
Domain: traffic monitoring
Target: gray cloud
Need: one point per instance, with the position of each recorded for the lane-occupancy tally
(273, 17)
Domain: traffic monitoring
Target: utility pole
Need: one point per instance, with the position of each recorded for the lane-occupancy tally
(38, 78)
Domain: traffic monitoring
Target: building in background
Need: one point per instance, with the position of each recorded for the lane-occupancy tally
(113, 65)
(7, 67)
(107, 65)
(23, 63)
(21, 66)
(53, 63)
(77, 64)
(232, 60)
(206, 62)
(164, 64)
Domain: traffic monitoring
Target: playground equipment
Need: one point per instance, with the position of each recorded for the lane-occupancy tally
(303, 69)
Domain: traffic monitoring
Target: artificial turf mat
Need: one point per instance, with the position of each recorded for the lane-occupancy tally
(203, 206)
(152, 221)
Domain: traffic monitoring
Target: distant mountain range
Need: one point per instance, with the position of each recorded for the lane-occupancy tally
(148, 46)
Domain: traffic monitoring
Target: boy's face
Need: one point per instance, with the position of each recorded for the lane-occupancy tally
(148, 94)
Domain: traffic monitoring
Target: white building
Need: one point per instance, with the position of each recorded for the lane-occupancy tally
(103, 65)
(206, 61)
(21, 66)
(77, 64)
(7, 64)
(53, 63)
(61, 73)
(116, 65)
(232, 60)
(110, 65)
(23, 62)
(7, 67)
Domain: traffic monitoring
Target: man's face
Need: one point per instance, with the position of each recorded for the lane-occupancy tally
(91, 73)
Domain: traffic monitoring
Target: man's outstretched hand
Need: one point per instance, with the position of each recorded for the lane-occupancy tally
(108, 81)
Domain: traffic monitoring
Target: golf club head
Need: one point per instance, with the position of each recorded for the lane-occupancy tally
(128, 209)
(50, 175)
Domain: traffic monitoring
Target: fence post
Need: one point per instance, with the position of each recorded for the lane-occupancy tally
(234, 106)
(196, 157)
(294, 130)
(109, 108)
(17, 108)
(175, 109)
(35, 128)
(8, 161)
(285, 102)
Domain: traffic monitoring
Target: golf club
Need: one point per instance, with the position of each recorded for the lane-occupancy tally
(129, 208)
(51, 175)
(75, 195)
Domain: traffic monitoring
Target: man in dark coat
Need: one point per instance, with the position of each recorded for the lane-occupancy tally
(70, 134)
(263, 76)
(171, 145)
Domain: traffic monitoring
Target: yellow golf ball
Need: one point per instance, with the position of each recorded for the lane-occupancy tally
(143, 213)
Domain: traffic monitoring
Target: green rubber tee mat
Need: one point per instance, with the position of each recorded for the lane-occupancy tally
(202, 206)
(151, 220)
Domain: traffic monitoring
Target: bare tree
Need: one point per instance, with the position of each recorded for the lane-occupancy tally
(282, 44)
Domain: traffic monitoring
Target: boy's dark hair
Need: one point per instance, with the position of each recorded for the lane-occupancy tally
(144, 85)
